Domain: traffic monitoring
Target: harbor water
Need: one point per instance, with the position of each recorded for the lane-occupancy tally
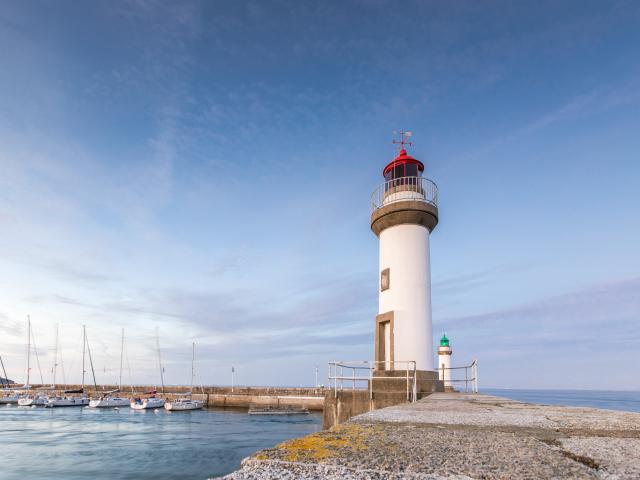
(608, 399)
(83, 443)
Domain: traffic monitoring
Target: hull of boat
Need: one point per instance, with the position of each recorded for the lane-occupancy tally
(67, 402)
(181, 406)
(9, 400)
(31, 402)
(148, 404)
(109, 403)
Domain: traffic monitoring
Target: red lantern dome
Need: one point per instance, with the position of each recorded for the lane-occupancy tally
(404, 165)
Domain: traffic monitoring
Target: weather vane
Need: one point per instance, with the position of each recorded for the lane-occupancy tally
(404, 136)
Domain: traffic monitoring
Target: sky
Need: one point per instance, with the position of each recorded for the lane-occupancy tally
(205, 168)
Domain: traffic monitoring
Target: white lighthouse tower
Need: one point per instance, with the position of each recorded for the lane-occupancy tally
(444, 361)
(404, 213)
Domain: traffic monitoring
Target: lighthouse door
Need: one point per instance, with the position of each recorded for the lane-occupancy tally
(387, 345)
(384, 341)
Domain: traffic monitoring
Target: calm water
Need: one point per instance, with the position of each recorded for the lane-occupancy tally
(80, 443)
(629, 401)
(75, 443)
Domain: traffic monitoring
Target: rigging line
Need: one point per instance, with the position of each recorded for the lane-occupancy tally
(91, 363)
(64, 377)
(28, 350)
(35, 349)
(121, 352)
(126, 355)
(74, 359)
(54, 369)
(5, 374)
(160, 360)
(197, 374)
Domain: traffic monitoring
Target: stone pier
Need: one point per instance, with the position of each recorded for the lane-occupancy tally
(461, 436)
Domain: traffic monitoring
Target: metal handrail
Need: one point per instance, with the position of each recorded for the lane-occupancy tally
(405, 188)
(468, 379)
(336, 374)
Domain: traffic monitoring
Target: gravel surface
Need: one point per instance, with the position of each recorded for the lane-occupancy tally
(486, 410)
(270, 469)
(457, 436)
(616, 457)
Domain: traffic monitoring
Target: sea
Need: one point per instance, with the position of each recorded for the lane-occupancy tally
(611, 400)
(83, 443)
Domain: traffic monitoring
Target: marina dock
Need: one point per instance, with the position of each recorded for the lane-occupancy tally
(237, 397)
(461, 436)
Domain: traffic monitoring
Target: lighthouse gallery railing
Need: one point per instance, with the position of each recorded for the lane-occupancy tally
(405, 188)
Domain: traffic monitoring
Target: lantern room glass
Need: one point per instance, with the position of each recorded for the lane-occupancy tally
(403, 169)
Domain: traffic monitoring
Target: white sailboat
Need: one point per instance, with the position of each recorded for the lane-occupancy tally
(186, 402)
(68, 400)
(147, 403)
(151, 402)
(33, 399)
(9, 395)
(108, 400)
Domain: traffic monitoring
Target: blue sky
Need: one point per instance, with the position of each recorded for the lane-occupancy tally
(206, 167)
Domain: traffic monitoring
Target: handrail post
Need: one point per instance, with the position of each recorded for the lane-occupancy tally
(415, 383)
(335, 381)
(407, 376)
(466, 381)
(353, 386)
(371, 367)
(475, 375)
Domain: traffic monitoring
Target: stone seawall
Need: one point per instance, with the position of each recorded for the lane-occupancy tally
(461, 436)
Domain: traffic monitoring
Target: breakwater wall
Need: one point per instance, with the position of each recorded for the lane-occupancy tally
(237, 397)
(456, 435)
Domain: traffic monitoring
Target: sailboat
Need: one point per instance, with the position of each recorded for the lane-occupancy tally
(10, 396)
(38, 398)
(67, 400)
(152, 401)
(108, 400)
(186, 402)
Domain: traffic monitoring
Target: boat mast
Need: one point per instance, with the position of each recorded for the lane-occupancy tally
(93, 372)
(55, 360)
(84, 344)
(193, 359)
(159, 359)
(28, 349)
(35, 350)
(121, 354)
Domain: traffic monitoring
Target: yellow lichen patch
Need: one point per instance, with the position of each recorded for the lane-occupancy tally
(323, 445)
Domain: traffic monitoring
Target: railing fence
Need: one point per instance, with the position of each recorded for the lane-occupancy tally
(470, 376)
(354, 368)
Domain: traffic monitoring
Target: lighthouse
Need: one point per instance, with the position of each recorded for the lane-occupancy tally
(404, 213)
(444, 361)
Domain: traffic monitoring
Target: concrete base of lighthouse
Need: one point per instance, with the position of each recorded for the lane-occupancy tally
(395, 381)
(341, 405)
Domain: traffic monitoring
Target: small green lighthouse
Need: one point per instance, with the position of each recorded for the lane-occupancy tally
(444, 362)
